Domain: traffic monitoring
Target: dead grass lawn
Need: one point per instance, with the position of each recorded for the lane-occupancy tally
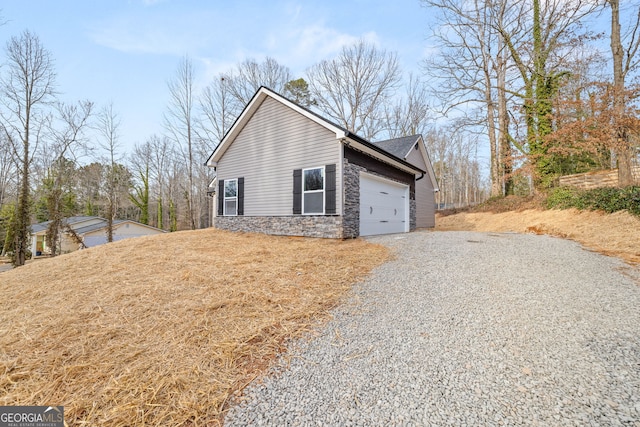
(616, 234)
(162, 330)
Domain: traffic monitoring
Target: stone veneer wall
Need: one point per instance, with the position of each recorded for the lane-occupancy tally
(295, 225)
(351, 197)
(412, 215)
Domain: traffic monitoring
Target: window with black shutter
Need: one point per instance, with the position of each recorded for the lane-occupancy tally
(330, 189)
(231, 197)
(221, 197)
(314, 191)
(297, 191)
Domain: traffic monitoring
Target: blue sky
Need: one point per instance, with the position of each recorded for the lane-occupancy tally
(125, 51)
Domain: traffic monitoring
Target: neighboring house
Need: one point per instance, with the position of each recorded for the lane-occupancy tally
(91, 229)
(282, 169)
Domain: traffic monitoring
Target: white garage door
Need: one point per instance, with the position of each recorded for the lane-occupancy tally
(384, 206)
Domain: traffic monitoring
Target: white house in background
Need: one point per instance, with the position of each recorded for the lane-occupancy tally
(91, 229)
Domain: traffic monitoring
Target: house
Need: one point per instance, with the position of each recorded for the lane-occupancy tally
(282, 169)
(92, 230)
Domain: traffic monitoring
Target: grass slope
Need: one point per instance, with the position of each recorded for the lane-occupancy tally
(161, 330)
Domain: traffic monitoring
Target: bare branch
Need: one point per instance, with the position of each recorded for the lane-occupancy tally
(352, 87)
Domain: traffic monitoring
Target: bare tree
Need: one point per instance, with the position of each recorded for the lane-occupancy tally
(108, 126)
(27, 86)
(624, 60)
(66, 136)
(410, 114)
(353, 87)
(218, 111)
(455, 162)
(179, 123)
(155, 156)
(248, 76)
(7, 171)
(470, 74)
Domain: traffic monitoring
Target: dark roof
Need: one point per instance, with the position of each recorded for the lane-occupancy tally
(399, 147)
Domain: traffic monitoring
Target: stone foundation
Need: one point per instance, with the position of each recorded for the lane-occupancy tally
(298, 225)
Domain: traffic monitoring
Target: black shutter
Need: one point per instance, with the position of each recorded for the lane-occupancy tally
(330, 189)
(240, 196)
(221, 197)
(297, 192)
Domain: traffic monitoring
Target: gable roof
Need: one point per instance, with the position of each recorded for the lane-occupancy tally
(43, 226)
(341, 133)
(116, 223)
(76, 224)
(399, 147)
(402, 147)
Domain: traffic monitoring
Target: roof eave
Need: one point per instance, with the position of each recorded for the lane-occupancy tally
(427, 159)
(378, 153)
(413, 144)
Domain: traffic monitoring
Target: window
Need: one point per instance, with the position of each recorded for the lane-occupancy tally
(231, 197)
(313, 191)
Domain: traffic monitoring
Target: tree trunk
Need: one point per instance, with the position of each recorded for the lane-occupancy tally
(22, 212)
(504, 145)
(22, 208)
(623, 149)
(496, 187)
(110, 219)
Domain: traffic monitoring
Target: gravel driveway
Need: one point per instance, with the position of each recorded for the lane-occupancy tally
(468, 329)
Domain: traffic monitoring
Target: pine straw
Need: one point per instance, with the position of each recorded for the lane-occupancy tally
(162, 330)
(616, 234)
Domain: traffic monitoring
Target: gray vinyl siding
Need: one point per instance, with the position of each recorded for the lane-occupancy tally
(425, 198)
(274, 142)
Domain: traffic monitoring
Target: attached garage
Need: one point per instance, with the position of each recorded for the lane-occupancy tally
(384, 206)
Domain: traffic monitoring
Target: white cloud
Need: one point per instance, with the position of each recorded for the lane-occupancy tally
(152, 32)
(138, 41)
(300, 48)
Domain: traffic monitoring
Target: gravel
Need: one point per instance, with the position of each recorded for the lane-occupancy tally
(467, 329)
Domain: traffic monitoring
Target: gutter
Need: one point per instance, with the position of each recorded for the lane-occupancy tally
(379, 150)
